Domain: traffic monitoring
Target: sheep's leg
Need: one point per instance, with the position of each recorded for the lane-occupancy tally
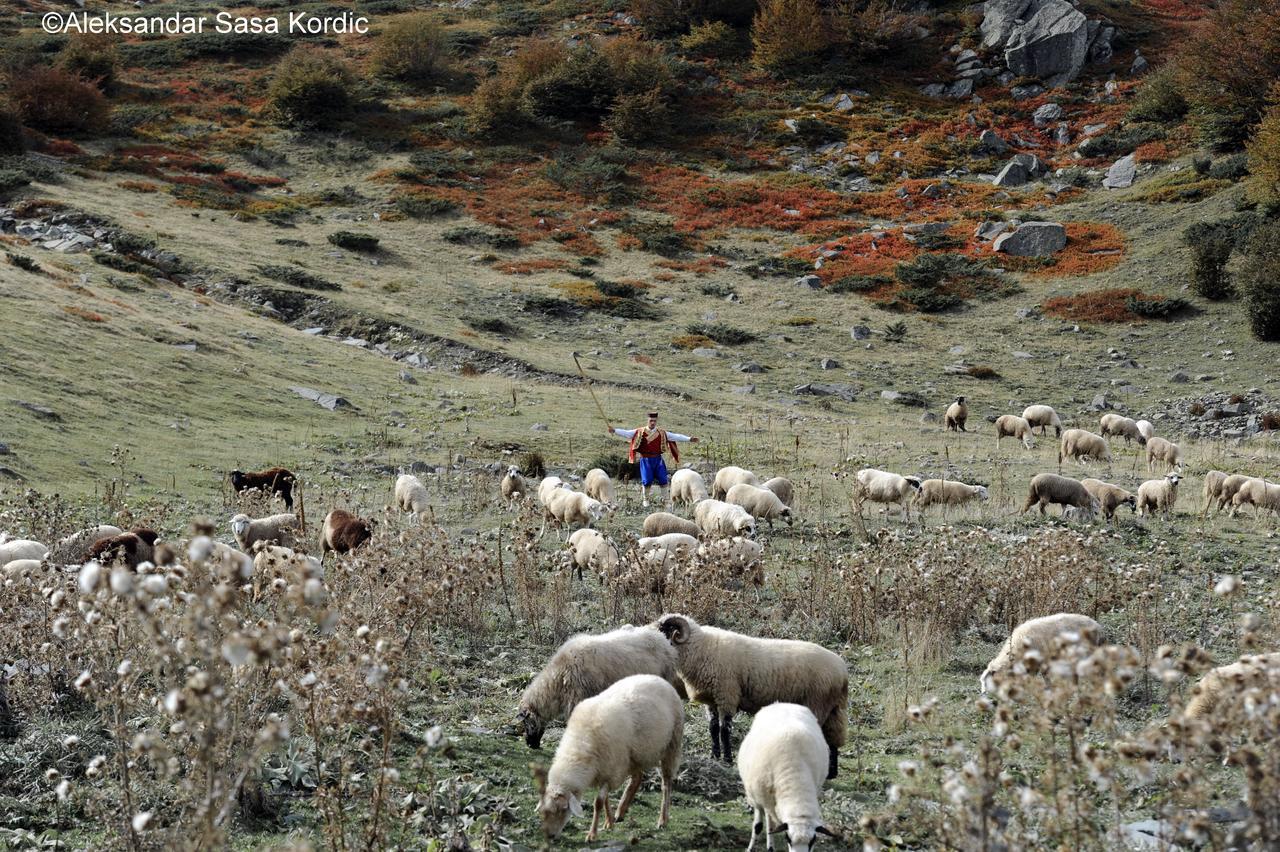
(604, 807)
(627, 795)
(833, 762)
(768, 832)
(713, 719)
(757, 825)
(664, 812)
(595, 817)
(726, 735)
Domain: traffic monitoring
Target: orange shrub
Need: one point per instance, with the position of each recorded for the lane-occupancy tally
(57, 101)
(83, 314)
(1096, 306)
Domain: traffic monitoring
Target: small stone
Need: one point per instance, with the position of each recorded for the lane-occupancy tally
(992, 142)
(1046, 114)
(860, 332)
(1122, 173)
(749, 367)
(744, 390)
(828, 364)
(538, 427)
(812, 282)
(407, 377)
(1179, 378)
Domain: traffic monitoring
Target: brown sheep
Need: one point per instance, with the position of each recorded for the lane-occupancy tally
(957, 414)
(343, 532)
(1110, 497)
(275, 480)
(1167, 452)
(130, 549)
(1083, 445)
(1049, 488)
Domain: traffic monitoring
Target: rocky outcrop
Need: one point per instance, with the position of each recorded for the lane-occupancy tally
(1033, 239)
(1122, 173)
(1050, 39)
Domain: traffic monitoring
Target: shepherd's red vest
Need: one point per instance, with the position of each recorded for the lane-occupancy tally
(647, 443)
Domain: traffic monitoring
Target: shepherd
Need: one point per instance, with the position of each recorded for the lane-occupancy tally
(648, 442)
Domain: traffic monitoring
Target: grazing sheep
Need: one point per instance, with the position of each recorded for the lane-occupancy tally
(130, 549)
(1230, 486)
(744, 556)
(411, 495)
(1110, 497)
(229, 562)
(1083, 446)
(760, 502)
(616, 736)
(1049, 488)
(727, 477)
(782, 486)
(957, 414)
(1122, 427)
(1147, 429)
(949, 492)
(1213, 482)
(1158, 449)
(688, 487)
(1040, 635)
(273, 529)
(272, 560)
(594, 551)
(880, 486)
(661, 523)
(343, 532)
(573, 507)
(1159, 494)
(729, 672)
(599, 486)
(21, 548)
(275, 480)
(74, 549)
(586, 665)
(1250, 671)
(18, 567)
(781, 765)
(1257, 493)
(1013, 426)
(548, 486)
(514, 486)
(1043, 416)
(676, 544)
(716, 518)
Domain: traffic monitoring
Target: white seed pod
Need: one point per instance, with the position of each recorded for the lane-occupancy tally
(89, 578)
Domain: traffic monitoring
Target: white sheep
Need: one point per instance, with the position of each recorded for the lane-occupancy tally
(548, 487)
(1213, 482)
(956, 415)
(759, 502)
(1043, 416)
(675, 544)
(727, 477)
(1040, 636)
(1013, 426)
(1231, 485)
(1121, 427)
(411, 495)
(729, 672)
(717, 518)
(1167, 452)
(661, 523)
(586, 665)
(599, 486)
(229, 563)
(21, 548)
(273, 529)
(573, 508)
(1257, 493)
(1159, 494)
(1047, 488)
(513, 485)
(74, 549)
(593, 551)
(616, 736)
(743, 556)
(948, 492)
(271, 560)
(18, 567)
(782, 765)
(1083, 446)
(688, 487)
(781, 486)
(1146, 429)
(1110, 497)
(881, 486)
(1248, 672)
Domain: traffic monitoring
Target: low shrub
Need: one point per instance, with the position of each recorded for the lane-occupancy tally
(1232, 167)
(713, 38)
(491, 325)
(721, 333)
(640, 117)
(1119, 141)
(424, 207)
(1260, 281)
(1264, 153)
(91, 58)
(12, 141)
(616, 465)
(1159, 307)
(412, 48)
(1115, 305)
(786, 33)
(532, 464)
(895, 332)
(591, 176)
(297, 277)
(471, 236)
(311, 88)
(980, 372)
(57, 101)
(939, 282)
(658, 237)
(551, 306)
(858, 283)
(1159, 99)
(1211, 244)
(22, 262)
(353, 241)
(11, 179)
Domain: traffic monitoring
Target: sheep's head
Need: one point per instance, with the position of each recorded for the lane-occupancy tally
(914, 482)
(555, 808)
(982, 493)
(802, 834)
(986, 681)
(786, 515)
(676, 628)
(531, 723)
(1131, 501)
(150, 536)
(237, 479)
(513, 471)
(1174, 478)
(960, 400)
(239, 525)
(745, 526)
(1142, 440)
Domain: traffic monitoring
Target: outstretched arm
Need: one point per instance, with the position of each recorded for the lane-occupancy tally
(622, 433)
(681, 439)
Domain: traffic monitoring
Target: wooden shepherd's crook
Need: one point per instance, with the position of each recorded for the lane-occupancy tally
(590, 390)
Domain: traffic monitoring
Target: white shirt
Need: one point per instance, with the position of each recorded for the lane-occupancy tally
(671, 436)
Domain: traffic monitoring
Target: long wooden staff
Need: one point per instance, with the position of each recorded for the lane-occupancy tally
(590, 389)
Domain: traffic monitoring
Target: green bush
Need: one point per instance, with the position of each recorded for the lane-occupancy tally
(658, 237)
(551, 306)
(592, 176)
(412, 48)
(57, 101)
(92, 59)
(617, 289)
(787, 33)
(1158, 308)
(296, 277)
(354, 242)
(1211, 244)
(1260, 281)
(1231, 167)
(11, 179)
(721, 333)
(311, 88)
(858, 283)
(713, 38)
(424, 207)
(928, 300)
(491, 325)
(639, 117)
(470, 236)
(1123, 140)
(1159, 99)
(581, 87)
(12, 141)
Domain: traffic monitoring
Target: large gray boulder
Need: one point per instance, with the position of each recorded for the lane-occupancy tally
(1013, 174)
(1053, 43)
(1122, 173)
(999, 20)
(1033, 239)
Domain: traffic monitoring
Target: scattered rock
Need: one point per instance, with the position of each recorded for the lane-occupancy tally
(828, 364)
(1101, 403)
(1140, 65)
(407, 377)
(813, 282)
(903, 398)
(1033, 239)
(1027, 314)
(749, 367)
(705, 352)
(325, 400)
(744, 390)
(10, 473)
(4, 449)
(1046, 114)
(1013, 174)
(538, 427)
(1122, 173)
(961, 88)
(1180, 378)
(848, 393)
(990, 229)
(1024, 93)
(992, 142)
(860, 332)
(43, 412)
(933, 90)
